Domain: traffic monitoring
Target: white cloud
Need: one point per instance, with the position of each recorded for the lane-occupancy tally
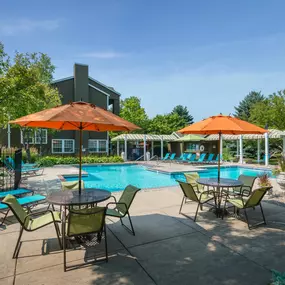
(104, 54)
(16, 27)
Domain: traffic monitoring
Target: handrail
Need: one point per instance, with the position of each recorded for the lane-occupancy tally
(139, 157)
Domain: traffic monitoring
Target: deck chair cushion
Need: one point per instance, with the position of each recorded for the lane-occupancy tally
(15, 192)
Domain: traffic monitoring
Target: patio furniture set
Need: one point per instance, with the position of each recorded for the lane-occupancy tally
(238, 193)
(79, 213)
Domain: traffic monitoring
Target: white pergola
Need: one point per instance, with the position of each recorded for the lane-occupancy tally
(272, 134)
(143, 137)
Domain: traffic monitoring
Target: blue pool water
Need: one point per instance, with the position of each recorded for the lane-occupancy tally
(117, 177)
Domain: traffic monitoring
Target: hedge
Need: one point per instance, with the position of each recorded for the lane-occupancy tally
(54, 160)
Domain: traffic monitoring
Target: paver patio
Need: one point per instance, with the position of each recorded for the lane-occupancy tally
(168, 248)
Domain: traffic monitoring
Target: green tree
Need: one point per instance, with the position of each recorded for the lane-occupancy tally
(243, 110)
(184, 113)
(25, 86)
(270, 112)
(132, 111)
(166, 124)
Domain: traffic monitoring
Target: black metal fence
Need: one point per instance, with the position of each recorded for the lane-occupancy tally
(10, 168)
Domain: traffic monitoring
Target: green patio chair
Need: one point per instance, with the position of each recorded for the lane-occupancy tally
(84, 222)
(245, 203)
(191, 178)
(71, 185)
(29, 222)
(122, 206)
(192, 195)
(246, 189)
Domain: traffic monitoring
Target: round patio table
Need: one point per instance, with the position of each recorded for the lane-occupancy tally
(219, 186)
(72, 198)
(69, 198)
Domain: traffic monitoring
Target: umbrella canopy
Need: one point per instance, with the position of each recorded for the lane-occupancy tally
(76, 116)
(222, 125)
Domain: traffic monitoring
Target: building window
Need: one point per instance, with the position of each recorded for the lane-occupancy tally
(38, 136)
(192, 147)
(62, 146)
(97, 146)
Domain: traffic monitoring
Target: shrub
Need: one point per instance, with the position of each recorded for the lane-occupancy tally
(263, 180)
(55, 160)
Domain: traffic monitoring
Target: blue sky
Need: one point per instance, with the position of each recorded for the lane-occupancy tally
(206, 55)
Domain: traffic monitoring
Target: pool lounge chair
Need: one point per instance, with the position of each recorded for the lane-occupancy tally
(189, 194)
(210, 158)
(28, 221)
(191, 157)
(25, 171)
(182, 158)
(16, 192)
(24, 165)
(201, 159)
(27, 202)
(252, 201)
(166, 156)
(122, 207)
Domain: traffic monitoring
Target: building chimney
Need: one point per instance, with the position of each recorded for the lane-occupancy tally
(80, 82)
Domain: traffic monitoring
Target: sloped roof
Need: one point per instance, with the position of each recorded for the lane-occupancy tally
(189, 138)
(272, 134)
(140, 137)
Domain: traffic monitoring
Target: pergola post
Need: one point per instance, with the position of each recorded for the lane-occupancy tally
(161, 148)
(240, 150)
(126, 147)
(144, 147)
(266, 149)
(258, 150)
(283, 150)
(221, 148)
(151, 148)
(118, 147)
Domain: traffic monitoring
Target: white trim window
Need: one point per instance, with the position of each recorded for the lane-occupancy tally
(62, 146)
(97, 146)
(39, 136)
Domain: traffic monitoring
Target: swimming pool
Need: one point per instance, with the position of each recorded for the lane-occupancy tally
(117, 177)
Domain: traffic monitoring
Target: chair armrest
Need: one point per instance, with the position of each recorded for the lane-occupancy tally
(114, 198)
(112, 203)
(245, 191)
(38, 214)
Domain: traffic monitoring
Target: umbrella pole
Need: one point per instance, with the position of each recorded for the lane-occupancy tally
(219, 161)
(80, 157)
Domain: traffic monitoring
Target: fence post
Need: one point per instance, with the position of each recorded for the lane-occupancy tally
(18, 168)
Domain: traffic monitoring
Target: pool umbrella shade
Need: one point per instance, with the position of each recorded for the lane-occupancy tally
(222, 125)
(76, 116)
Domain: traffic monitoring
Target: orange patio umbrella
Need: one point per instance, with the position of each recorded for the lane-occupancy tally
(76, 116)
(222, 125)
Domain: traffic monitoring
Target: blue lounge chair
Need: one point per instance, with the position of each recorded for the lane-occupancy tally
(24, 201)
(11, 161)
(182, 157)
(15, 192)
(191, 157)
(25, 171)
(172, 156)
(201, 158)
(210, 158)
(166, 156)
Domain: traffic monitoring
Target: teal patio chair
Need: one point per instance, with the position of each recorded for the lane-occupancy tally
(121, 208)
(189, 194)
(242, 203)
(27, 202)
(29, 221)
(85, 222)
(166, 156)
(172, 156)
(210, 158)
(201, 158)
(191, 157)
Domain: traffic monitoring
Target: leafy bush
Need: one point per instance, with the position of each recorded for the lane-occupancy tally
(227, 156)
(11, 151)
(55, 160)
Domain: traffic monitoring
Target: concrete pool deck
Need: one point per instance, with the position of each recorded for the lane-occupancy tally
(168, 248)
